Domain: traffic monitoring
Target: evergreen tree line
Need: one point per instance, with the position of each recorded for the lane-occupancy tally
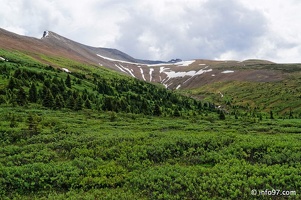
(57, 91)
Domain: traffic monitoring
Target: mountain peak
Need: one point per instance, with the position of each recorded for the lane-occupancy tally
(45, 34)
(175, 60)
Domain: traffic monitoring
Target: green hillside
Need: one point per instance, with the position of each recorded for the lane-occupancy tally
(27, 82)
(282, 97)
(96, 134)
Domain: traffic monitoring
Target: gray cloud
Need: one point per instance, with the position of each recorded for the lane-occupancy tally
(165, 29)
(204, 30)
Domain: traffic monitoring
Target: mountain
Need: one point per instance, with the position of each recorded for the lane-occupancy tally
(227, 83)
(174, 74)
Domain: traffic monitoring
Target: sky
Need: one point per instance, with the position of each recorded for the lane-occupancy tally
(167, 29)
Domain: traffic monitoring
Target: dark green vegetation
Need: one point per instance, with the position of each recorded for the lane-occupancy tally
(82, 142)
(25, 82)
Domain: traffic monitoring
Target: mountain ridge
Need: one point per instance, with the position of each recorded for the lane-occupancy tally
(175, 74)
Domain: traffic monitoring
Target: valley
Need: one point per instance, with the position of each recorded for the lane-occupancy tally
(80, 122)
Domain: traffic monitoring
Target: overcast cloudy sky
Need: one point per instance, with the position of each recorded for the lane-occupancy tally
(166, 29)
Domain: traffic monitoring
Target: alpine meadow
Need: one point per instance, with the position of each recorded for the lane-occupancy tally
(72, 128)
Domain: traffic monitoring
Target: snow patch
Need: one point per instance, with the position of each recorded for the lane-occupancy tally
(188, 80)
(162, 69)
(180, 64)
(185, 63)
(167, 85)
(165, 80)
(66, 70)
(151, 74)
(178, 87)
(120, 68)
(202, 71)
(115, 60)
(141, 70)
(213, 75)
(227, 72)
(160, 64)
(2, 58)
(127, 70)
(173, 74)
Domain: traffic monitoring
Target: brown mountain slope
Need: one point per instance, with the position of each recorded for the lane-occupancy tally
(180, 75)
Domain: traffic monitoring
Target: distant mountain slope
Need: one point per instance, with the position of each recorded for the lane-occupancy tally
(175, 74)
(53, 39)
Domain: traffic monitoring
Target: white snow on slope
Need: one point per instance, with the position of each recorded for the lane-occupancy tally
(141, 70)
(173, 74)
(166, 85)
(120, 68)
(66, 70)
(2, 58)
(126, 70)
(202, 71)
(111, 59)
(185, 63)
(182, 63)
(188, 80)
(151, 74)
(227, 72)
(178, 87)
(161, 69)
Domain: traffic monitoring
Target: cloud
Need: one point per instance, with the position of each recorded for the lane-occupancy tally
(166, 29)
(200, 30)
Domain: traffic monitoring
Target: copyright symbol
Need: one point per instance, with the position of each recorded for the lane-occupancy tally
(254, 192)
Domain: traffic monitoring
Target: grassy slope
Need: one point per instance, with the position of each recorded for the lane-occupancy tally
(92, 154)
(281, 97)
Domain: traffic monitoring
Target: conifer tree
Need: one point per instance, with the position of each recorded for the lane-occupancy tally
(33, 94)
(61, 85)
(176, 113)
(21, 97)
(59, 102)
(68, 81)
(108, 103)
(78, 103)
(11, 83)
(48, 100)
(70, 102)
(54, 90)
(88, 104)
(157, 110)
(32, 124)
